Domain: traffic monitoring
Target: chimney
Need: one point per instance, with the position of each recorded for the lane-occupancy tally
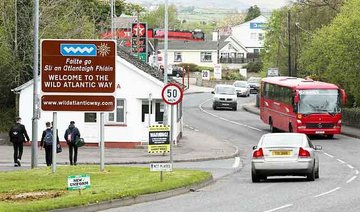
(215, 36)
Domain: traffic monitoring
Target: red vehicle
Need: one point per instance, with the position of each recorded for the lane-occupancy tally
(301, 105)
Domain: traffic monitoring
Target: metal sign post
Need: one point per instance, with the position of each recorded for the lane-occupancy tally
(54, 142)
(172, 94)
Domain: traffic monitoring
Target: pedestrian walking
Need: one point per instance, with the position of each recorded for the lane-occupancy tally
(18, 134)
(72, 133)
(47, 142)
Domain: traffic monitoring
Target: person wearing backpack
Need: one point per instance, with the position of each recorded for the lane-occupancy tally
(71, 134)
(47, 141)
(17, 134)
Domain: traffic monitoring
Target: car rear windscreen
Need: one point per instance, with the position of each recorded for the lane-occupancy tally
(292, 140)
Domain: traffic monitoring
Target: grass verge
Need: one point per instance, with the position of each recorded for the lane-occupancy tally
(41, 190)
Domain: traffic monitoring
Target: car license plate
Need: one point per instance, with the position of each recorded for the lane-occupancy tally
(319, 132)
(225, 104)
(281, 153)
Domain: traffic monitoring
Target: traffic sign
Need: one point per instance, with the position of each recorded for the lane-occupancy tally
(172, 94)
(79, 67)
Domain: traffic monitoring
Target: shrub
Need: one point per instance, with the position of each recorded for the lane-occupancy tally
(7, 117)
(351, 117)
(200, 68)
(193, 67)
(254, 66)
(232, 75)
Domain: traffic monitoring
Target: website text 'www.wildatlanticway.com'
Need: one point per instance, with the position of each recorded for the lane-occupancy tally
(77, 103)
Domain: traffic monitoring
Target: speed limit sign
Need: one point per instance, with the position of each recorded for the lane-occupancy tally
(172, 94)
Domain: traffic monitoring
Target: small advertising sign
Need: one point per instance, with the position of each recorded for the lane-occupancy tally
(160, 167)
(217, 71)
(243, 72)
(159, 139)
(76, 182)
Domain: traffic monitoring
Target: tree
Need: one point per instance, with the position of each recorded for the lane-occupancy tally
(253, 12)
(155, 18)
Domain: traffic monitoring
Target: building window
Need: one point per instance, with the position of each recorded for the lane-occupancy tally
(177, 57)
(206, 57)
(159, 111)
(120, 112)
(145, 109)
(256, 51)
(90, 117)
(239, 55)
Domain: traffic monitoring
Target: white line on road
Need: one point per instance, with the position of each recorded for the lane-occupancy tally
(350, 166)
(275, 209)
(236, 162)
(329, 155)
(351, 179)
(328, 192)
(224, 119)
(341, 161)
(356, 171)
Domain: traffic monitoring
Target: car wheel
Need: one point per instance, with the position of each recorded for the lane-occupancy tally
(317, 173)
(248, 94)
(272, 128)
(177, 75)
(235, 108)
(330, 136)
(254, 177)
(214, 107)
(311, 176)
(290, 128)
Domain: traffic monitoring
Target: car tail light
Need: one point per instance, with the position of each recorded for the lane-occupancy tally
(303, 153)
(258, 153)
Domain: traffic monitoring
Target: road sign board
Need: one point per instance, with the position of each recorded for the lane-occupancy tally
(159, 167)
(172, 94)
(76, 182)
(78, 66)
(77, 103)
(159, 139)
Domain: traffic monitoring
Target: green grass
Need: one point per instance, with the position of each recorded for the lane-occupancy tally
(114, 183)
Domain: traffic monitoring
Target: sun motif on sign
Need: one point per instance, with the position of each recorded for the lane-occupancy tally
(103, 49)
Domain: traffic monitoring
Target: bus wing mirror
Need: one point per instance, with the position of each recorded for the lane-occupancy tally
(296, 98)
(343, 96)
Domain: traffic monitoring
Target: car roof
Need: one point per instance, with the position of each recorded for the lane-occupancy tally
(240, 81)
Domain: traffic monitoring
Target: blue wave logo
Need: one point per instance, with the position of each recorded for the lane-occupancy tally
(78, 49)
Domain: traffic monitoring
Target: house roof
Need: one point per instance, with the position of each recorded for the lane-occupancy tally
(208, 44)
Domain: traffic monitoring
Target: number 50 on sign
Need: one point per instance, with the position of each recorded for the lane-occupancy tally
(172, 94)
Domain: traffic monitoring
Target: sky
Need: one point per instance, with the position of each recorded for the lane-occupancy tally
(269, 4)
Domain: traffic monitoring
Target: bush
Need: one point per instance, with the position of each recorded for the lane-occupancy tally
(193, 67)
(200, 68)
(254, 66)
(232, 75)
(351, 117)
(7, 117)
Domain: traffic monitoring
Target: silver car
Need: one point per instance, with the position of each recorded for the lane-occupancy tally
(282, 154)
(242, 88)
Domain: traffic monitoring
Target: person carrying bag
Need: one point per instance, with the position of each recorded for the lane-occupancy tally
(72, 134)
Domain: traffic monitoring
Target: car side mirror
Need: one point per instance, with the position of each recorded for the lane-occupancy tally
(213, 92)
(318, 147)
(254, 147)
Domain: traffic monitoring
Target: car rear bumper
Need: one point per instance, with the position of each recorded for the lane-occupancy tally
(299, 167)
(224, 104)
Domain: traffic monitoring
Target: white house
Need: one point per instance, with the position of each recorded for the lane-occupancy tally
(127, 125)
(251, 34)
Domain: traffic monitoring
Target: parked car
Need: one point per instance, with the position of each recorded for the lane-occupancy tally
(282, 154)
(225, 97)
(254, 83)
(242, 88)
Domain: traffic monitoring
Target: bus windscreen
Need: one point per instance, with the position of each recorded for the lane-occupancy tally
(319, 101)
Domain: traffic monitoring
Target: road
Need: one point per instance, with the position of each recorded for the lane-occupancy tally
(336, 190)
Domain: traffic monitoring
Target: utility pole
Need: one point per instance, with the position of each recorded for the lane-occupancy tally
(166, 37)
(36, 110)
(218, 44)
(289, 48)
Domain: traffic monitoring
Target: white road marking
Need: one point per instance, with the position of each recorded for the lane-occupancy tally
(281, 207)
(236, 162)
(341, 161)
(328, 192)
(350, 166)
(351, 179)
(329, 155)
(224, 119)
(356, 172)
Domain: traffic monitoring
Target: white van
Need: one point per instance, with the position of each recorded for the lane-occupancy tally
(224, 96)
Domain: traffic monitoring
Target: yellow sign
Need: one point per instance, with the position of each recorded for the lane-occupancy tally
(154, 128)
(159, 148)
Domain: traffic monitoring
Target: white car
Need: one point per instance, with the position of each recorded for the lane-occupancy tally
(225, 97)
(242, 88)
(282, 154)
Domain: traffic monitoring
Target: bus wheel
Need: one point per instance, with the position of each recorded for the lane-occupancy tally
(290, 128)
(272, 128)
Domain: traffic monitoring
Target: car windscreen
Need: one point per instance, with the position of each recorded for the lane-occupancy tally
(285, 140)
(225, 90)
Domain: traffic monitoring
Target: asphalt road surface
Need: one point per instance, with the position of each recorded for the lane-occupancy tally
(337, 189)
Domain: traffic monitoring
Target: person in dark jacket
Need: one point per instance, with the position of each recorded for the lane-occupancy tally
(46, 137)
(17, 134)
(71, 134)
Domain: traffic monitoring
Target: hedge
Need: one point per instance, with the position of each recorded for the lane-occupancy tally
(351, 117)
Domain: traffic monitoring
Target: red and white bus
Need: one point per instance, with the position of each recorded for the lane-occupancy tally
(301, 105)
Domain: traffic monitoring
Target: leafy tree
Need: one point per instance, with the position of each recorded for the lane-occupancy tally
(253, 12)
(155, 18)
